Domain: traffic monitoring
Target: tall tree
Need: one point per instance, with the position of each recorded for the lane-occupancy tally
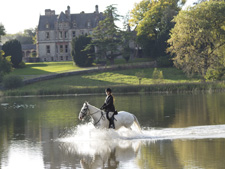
(13, 48)
(197, 41)
(153, 23)
(106, 35)
(82, 57)
(2, 31)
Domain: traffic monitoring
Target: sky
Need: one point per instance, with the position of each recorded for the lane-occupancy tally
(17, 15)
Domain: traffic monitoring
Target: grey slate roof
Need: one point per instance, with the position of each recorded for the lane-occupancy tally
(28, 47)
(47, 19)
(81, 20)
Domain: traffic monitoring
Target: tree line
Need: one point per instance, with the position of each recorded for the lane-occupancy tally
(190, 39)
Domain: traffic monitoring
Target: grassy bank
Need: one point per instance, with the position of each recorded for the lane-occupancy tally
(121, 81)
(44, 68)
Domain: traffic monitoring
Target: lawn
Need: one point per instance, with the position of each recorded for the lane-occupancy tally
(33, 70)
(44, 68)
(94, 81)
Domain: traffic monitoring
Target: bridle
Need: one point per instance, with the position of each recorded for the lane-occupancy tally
(84, 113)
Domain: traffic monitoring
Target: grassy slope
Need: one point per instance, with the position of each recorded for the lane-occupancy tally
(43, 68)
(100, 80)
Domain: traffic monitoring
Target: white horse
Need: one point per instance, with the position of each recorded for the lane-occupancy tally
(122, 119)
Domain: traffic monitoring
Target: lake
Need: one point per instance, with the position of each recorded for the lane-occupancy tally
(178, 131)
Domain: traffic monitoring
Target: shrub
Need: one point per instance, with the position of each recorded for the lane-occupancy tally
(164, 61)
(140, 75)
(5, 64)
(22, 64)
(12, 81)
(157, 75)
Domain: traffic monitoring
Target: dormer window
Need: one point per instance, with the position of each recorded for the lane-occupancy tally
(74, 25)
(47, 26)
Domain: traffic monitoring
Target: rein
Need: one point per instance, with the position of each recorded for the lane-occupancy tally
(102, 116)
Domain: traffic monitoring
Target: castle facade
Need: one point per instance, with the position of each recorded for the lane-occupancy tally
(56, 32)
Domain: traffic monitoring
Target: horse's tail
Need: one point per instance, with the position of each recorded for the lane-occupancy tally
(137, 123)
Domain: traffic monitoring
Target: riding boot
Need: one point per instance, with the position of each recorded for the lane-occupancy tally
(111, 123)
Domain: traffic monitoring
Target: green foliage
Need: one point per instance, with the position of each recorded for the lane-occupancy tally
(26, 37)
(153, 23)
(198, 38)
(12, 81)
(215, 74)
(106, 36)
(34, 54)
(164, 61)
(126, 52)
(157, 75)
(5, 65)
(140, 75)
(2, 31)
(81, 57)
(13, 48)
(22, 65)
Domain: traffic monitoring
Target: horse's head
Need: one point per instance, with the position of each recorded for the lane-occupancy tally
(84, 111)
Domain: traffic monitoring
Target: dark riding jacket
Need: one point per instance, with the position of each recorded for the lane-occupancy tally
(108, 106)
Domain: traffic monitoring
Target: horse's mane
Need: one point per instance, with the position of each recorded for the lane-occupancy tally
(92, 105)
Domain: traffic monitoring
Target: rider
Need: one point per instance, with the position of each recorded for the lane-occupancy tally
(108, 106)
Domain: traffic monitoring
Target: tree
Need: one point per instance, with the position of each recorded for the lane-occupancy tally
(106, 37)
(13, 48)
(127, 37)
(2, 31)
(28, 36)
(82, 57)
(197, 41)
(153, 23)
(5, 65)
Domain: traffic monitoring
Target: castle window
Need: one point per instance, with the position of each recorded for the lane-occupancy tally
(61, 48)
(47, 26)
(74, 34)
(47, 35)
(74, 25)
(61, 57)
(89, 24)
(48, 49)
(66, 48)
(60, 35)
(65, 34)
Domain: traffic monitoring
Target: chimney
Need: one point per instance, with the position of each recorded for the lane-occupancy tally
(68, 10)
(47, 11)
(96, 9)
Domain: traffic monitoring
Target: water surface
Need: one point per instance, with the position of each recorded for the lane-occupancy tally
(178, 131)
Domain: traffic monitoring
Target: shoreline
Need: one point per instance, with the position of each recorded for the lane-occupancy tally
(162, 88)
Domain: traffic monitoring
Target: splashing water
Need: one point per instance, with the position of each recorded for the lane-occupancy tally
(88, 132)
(87, 140)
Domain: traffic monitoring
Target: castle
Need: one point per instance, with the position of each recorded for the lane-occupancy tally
(55, 32)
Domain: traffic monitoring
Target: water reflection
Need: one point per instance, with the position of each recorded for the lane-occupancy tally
(99, 148)
(44, 131)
